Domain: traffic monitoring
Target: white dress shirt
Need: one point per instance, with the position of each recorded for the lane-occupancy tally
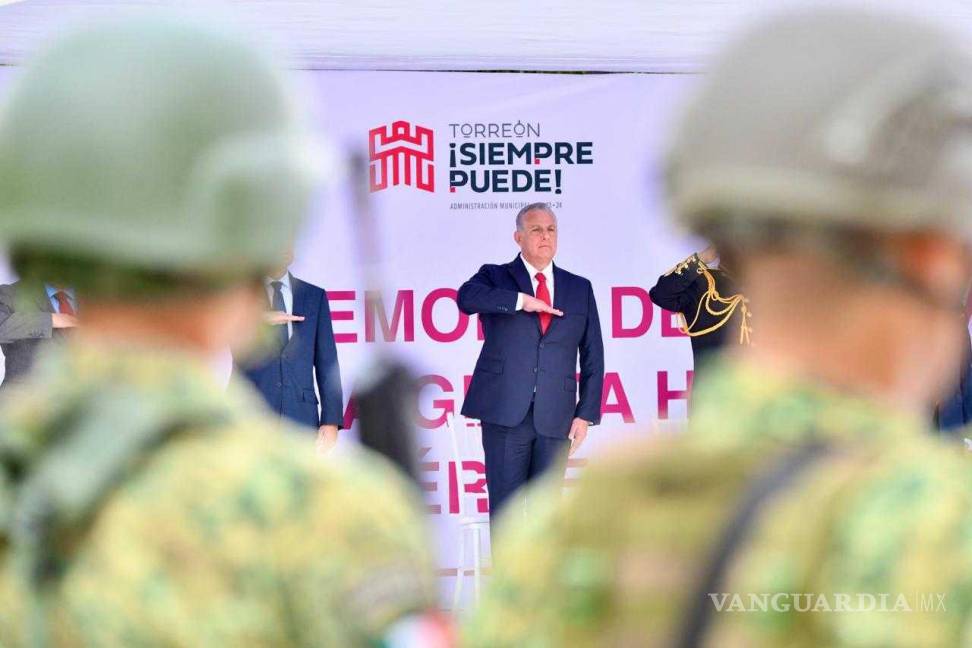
(51, 295)
(288, 297)
(547, 272)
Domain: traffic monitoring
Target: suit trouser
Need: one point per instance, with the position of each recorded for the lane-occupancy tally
(516, 455)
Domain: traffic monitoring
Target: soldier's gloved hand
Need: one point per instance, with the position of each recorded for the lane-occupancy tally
(275, 318)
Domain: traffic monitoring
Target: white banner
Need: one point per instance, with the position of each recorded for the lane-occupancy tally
(453, 158)
(467, 151)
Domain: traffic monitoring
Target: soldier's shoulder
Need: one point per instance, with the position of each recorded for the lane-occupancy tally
(888, 488)
(663, 455)
(926, 468)
(267, 470)
(625, 486)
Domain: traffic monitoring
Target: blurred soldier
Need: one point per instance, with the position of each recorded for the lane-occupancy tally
(704, 294)
(155, 164)
(808, 505)
(28, 321)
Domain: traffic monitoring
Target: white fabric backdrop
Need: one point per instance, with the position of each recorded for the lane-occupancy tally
(613, 230)
(616, 35)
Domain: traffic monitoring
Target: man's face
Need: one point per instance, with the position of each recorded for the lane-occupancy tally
(538, 238)
(285, 262)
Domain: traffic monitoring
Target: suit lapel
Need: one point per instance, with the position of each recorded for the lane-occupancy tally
(44, 304)
(297, 308)
(521, 276)
(523, 282)
(561, 286)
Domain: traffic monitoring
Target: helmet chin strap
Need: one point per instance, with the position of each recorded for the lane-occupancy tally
(880, 270)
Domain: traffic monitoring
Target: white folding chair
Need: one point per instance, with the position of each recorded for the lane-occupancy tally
(472, 524)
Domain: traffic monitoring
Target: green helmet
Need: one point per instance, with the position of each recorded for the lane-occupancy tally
(154, 144)
(830, 117)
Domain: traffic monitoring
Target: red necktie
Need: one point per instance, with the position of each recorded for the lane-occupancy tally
(543, 295)
(63, 303)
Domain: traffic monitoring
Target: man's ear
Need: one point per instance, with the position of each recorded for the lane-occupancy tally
(516, 236)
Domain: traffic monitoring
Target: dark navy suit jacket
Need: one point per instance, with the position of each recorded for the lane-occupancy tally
(955, 412)
(286, 377)
(515, 358)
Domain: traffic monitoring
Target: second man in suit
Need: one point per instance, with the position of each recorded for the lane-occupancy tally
(302, 352)
(30, 319)
(537, 319)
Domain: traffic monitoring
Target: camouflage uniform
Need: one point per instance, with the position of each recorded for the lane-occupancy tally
(820, 135)
(155, 163)
(613, 564)
(215, 532)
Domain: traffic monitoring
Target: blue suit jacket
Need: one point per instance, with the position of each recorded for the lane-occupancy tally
(286, 377)
(516, 358)
(955, 412)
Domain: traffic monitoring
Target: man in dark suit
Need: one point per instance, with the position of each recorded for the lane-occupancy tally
(537, 318)
(302, 352)
(28, 322)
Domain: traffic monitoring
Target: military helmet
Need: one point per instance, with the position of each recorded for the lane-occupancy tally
(155, 143)
(830, 117)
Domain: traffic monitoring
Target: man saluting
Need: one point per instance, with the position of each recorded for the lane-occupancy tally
(537, 319)
(705, 295)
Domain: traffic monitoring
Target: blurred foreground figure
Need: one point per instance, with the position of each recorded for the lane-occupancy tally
(829, 157)
(154, 165)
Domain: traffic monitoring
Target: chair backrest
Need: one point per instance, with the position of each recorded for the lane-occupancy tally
(457, 458)
(458, 438)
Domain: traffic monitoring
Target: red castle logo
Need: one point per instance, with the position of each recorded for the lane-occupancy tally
(399, 156)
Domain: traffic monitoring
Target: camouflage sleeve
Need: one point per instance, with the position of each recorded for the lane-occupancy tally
(873, 555)
(525, 602)
(357, 560)
(904, 536)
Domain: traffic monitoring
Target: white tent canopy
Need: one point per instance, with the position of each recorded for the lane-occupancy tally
(609, 35)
